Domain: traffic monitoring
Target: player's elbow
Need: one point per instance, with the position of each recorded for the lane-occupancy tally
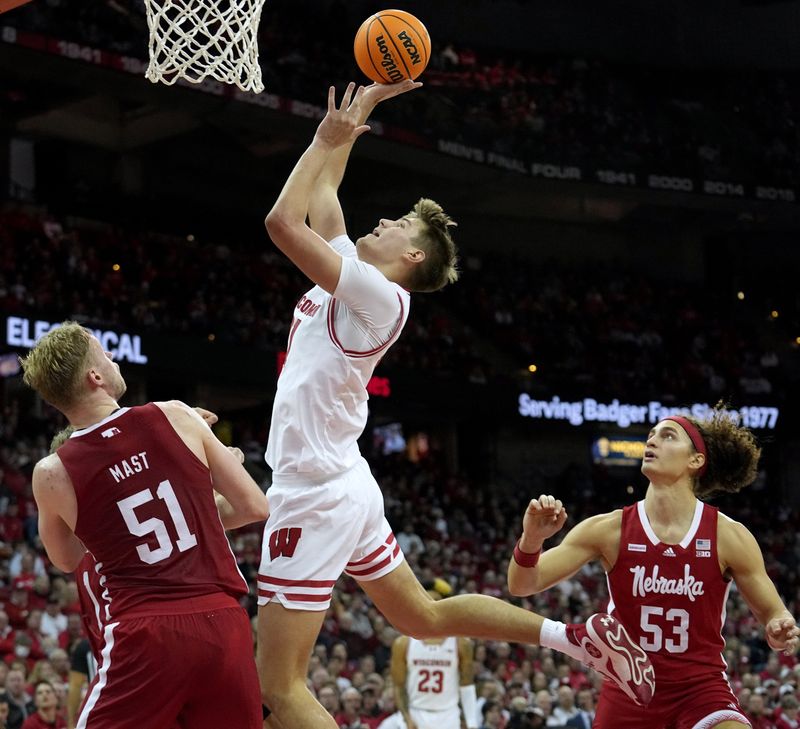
(278, 226)
(65, 562)
(259, 510)
(518, 588)
(254, 510)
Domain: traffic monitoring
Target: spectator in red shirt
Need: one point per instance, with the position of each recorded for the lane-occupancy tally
(789, 713)
(17, 608)
(46, 715)
(73, 634)
(11, 530)
(371, 713)
(350, 715)
(760, 717)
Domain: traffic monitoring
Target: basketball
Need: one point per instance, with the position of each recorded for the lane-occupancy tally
(391, 46)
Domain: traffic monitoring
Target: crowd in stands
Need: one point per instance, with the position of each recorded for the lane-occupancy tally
(595, 329)
(724, 126)
(451, 528)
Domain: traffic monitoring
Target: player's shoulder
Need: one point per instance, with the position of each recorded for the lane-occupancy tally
(49, 465)
(49, 474)
(601, 523)
(729, 529)
(465, 645)
(400, 644)
(173, 406)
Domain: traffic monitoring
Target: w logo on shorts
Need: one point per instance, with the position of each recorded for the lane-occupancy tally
(283, 542)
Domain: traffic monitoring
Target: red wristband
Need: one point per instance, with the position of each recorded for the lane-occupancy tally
(526, 559)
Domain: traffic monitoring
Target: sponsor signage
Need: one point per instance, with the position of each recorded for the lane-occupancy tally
(124, 347)
(618, 451)
(623, 415)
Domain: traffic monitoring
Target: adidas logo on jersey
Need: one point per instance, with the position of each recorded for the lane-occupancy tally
(669, 552)
(110, 432)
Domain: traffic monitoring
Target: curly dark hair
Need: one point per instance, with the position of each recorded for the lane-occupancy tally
(733, 454)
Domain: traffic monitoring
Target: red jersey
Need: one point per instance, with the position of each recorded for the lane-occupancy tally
(671, 597)
(35, 721)
(95, 606)
(146, 512)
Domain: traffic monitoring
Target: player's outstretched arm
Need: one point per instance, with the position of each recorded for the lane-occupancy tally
(324, 211)
(58, 512)
(740, 556)
(286, 222)
(543, 518)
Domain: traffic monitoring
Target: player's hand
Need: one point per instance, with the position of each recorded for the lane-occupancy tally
(237, 452)
(207, 415)
(783, 635)
(342, 126)
(543, 518)
(375, 93)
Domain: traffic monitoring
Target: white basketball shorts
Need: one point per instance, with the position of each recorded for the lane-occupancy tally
(443, 719)
(318, 529)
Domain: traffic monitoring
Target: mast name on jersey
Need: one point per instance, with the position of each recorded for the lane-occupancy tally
(128, 466)
(686, 585)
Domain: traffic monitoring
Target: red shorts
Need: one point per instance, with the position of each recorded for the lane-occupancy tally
(194, 670)
(700, 704)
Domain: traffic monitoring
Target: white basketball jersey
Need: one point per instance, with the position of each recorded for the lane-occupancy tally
(335, 343)
(432, 678)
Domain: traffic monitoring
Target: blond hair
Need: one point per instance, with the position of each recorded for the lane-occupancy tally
(60, 438)
(441, 257)
(56, 365)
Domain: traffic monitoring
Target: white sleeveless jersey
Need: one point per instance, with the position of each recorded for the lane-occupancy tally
(432, 678)
(335, 343)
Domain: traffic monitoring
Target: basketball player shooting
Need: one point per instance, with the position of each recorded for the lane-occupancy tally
(671, 560)
(327, 513)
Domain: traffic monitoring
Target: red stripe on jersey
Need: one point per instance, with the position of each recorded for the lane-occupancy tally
(395, 551)
(296, 583)
(370, 352)
(296, 596)
(374, 568)
(369, 558)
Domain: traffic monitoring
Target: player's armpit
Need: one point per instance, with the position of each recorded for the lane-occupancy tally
(306, 249)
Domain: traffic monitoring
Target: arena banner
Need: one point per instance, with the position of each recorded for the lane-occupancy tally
(618, 451)
(624, 415)
(543, 169)
(23, 333)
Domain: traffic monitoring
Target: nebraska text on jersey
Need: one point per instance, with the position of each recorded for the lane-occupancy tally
(644, 584)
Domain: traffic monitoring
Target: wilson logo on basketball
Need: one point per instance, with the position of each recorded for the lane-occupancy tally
(283, 542)
(388, 63)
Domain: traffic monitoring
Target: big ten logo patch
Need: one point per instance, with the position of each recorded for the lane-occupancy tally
(283, 542)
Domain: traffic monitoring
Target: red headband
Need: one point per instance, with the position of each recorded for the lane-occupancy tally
(696, 438)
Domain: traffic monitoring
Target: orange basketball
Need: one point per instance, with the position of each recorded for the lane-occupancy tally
(391, 46)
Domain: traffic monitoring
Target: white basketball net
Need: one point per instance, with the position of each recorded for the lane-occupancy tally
(195, 39)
